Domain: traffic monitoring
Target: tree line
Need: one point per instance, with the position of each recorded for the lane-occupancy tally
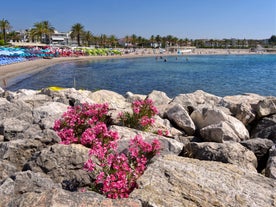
(42, 31)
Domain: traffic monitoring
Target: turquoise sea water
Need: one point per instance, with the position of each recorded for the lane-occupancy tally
(217, 74)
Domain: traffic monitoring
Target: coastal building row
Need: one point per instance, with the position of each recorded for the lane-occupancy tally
(64, 38)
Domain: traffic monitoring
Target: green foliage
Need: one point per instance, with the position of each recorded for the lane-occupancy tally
(272, 40)
(2, 42)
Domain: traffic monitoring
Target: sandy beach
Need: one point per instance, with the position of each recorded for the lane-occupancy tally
(8, 73)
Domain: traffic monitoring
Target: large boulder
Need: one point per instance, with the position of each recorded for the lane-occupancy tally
(13, 128)
(168, 145)
(206, 117)
(159, 98)
(180, 117)
(197, 99)
(18, 152)
(260, 147)
(63, 164)
(243, 107)
(114, 100)
(178, 181)
(46, 114)
(61, 198)
(230, 152)
(265, 128)
(271, 163)
(266, 107)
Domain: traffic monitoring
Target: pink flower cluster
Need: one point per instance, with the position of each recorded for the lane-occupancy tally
(142, 116)
(78, 119)
(119, 171)
(116, 173)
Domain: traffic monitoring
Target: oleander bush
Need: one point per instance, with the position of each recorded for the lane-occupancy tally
(116, 173)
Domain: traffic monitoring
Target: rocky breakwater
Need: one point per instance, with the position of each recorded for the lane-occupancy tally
(219, 151)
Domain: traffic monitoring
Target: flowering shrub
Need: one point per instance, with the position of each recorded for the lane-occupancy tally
(116, 173)
(78, 119)
(141, 118)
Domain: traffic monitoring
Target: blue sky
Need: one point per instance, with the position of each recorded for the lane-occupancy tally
(193, 19)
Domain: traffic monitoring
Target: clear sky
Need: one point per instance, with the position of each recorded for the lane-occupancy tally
(193, 19)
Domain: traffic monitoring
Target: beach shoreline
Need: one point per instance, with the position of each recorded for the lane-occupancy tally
(9, 73)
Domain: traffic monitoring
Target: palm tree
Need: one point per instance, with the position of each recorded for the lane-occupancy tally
(77, 31)
(42, 31)
(133, 40)
(88, 37)
(48, 30)
(103, 40)
(4, 26)
(113, 40)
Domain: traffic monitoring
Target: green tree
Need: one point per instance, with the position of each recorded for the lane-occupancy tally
(103, 40)
(77, 31)
(88, 37)
(42, 31)
(113, 41)
(4, 26)
(272, 40)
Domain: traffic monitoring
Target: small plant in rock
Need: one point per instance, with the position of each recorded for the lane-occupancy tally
(142, 116)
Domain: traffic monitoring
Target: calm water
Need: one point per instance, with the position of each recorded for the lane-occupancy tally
(217, 74)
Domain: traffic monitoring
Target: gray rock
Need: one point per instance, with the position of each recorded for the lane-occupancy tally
(62, 198)
(230, 152)
(265, 128)
(180, 117)
(165, 125)
(221, 132)
(6, 169)
(206, 117)
(243, 107)
(29, 181)
(177, 181)
(46, 114)
(197, 99)
(159, 98)
(130, 97)
(12, 127)
(169, 146)
(63, 164)
(260, 147)
(13, 109)
(18, 152)
(113, 99)
(270, 170)
(266, 107)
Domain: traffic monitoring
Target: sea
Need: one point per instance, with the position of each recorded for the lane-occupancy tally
(221, 75)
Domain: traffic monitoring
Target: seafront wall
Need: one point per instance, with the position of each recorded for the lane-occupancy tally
(219, 151)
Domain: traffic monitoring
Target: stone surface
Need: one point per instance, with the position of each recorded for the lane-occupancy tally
(61, 198)
(169, 145)
(266, 107)
(265, 128)
(197, 99)
(221, 132)
(35, 170)
(63, 164)
(180, 117)
(177, 181)
(229, 152)
(260, 147)
(271, 163)
(206, 117)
